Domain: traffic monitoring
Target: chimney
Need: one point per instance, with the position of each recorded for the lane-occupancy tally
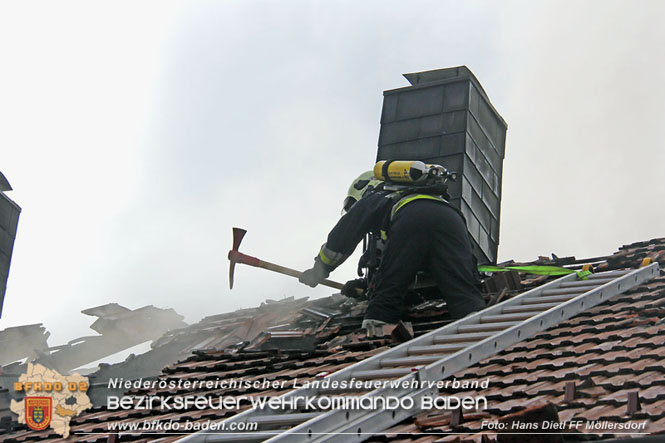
(446, 118)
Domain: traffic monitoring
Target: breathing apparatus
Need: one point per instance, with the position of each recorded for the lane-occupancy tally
(400, 175)
(412, 172)
(407, 177)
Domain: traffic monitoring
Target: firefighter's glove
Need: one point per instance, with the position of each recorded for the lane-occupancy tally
(355, 288)
(315, 275)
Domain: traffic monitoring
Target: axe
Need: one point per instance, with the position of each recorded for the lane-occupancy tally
(236, 256)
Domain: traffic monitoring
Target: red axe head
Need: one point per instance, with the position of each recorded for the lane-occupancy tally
(238, 234)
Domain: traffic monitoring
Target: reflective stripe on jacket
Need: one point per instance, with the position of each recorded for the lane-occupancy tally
(412, 197)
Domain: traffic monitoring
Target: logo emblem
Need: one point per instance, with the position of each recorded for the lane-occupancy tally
(38, 412)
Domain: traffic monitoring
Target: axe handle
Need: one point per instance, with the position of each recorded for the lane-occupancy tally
(239, 257)
(297, 274)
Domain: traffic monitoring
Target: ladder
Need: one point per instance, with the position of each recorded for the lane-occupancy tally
(431, 357)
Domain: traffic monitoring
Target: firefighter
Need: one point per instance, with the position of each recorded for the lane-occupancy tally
(424, 233)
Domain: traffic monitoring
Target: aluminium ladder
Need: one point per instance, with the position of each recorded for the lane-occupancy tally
(431, 357)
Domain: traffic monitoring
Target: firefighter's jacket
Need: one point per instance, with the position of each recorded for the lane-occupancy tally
(372, 213)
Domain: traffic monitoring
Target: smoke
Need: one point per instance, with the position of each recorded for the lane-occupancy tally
(133, 153)
(585, 115)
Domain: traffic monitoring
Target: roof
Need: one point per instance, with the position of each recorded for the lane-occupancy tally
(605, 355)
(606, 363)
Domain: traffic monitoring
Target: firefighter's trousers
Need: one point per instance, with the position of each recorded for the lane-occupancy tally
(426, 236)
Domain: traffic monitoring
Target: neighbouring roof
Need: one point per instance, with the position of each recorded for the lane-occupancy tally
(604, 355)
(4, 183)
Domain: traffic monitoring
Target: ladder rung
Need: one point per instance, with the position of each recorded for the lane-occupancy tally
(536, 307)
(506, 317)
(448, 348)
(585, 283)
(285, 419)
(488, 326)
(382, 373)
(562, 291)
(552, 298)
(412, 361)
(610, 274)
(461, 338)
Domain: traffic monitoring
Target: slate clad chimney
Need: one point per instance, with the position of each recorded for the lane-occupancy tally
(9, 212)
(446, 118)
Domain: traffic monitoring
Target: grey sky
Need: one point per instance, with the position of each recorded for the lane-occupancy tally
(136, 134)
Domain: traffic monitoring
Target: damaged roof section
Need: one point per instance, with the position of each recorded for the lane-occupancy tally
(268, 327)
(21, 342)
(120, 328)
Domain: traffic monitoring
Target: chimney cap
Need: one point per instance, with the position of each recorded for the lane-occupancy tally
(434, 75)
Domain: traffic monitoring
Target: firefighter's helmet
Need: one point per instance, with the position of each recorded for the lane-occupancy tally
(360, 185)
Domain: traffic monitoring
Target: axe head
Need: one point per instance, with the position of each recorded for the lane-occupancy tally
(238, 234)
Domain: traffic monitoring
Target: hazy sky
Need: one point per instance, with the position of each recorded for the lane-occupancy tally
(136, 134)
